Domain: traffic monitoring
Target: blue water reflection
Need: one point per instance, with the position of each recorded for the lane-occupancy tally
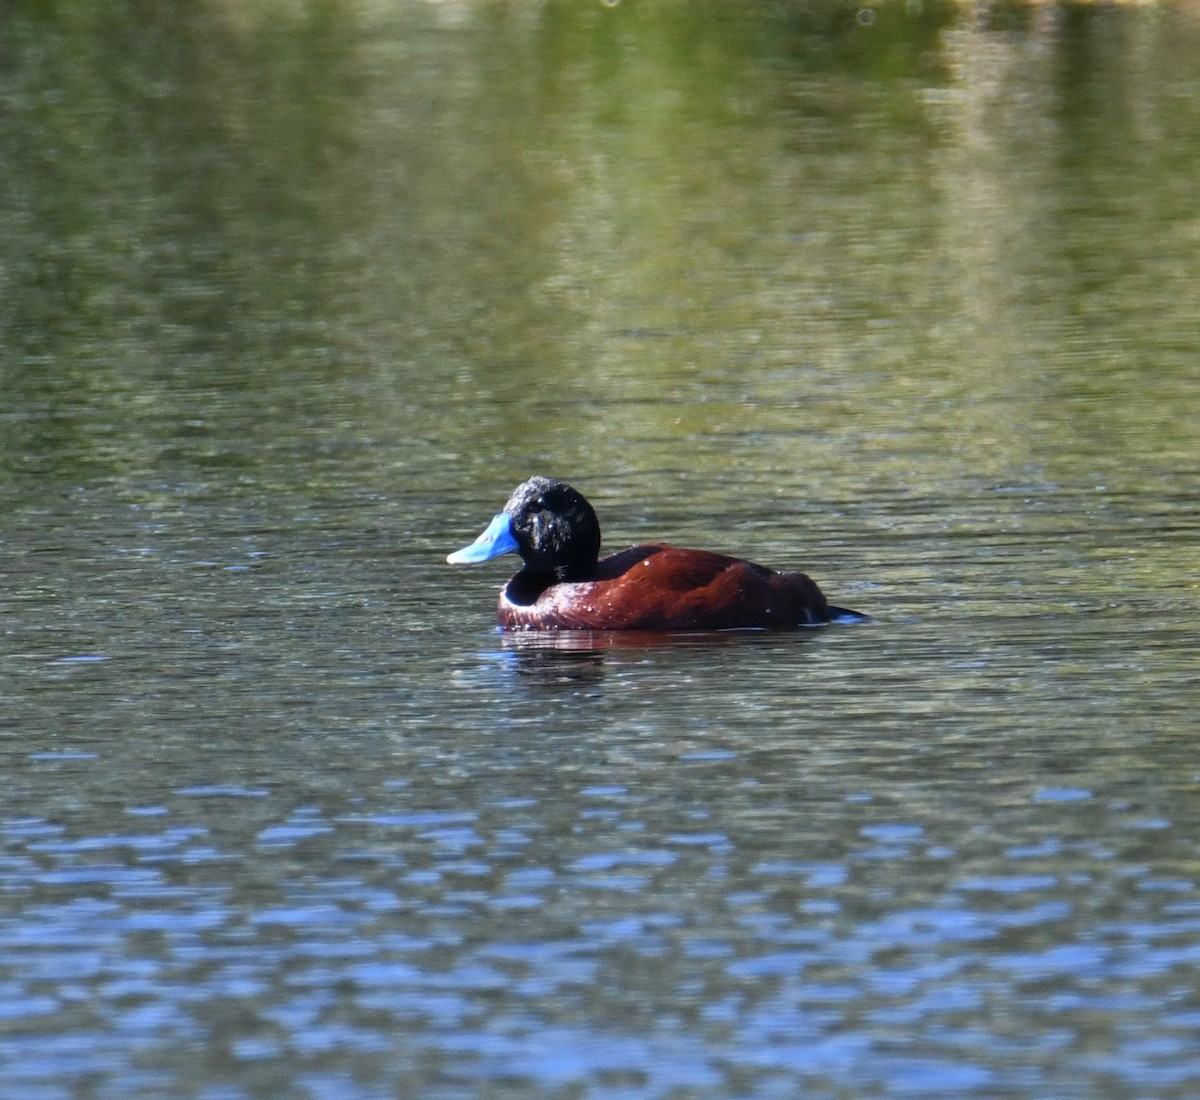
(709, 951)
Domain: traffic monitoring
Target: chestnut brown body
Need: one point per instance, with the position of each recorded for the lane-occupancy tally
(660, 587)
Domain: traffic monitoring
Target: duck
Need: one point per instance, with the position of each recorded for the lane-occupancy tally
(564, 584)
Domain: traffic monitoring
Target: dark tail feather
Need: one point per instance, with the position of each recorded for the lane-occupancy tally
(845, 615)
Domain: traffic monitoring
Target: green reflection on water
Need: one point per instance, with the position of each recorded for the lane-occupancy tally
(665, 239)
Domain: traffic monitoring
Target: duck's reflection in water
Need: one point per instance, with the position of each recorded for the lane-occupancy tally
(571, 655)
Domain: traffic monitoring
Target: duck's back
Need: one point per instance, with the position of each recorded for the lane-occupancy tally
(660, 587)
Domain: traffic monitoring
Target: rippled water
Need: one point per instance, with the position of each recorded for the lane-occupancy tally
(903, 298)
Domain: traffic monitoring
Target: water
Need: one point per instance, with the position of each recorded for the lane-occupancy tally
(293, 298)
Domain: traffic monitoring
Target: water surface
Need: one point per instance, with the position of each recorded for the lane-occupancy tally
(290, 298)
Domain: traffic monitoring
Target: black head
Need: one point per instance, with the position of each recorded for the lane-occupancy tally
(555, 528)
